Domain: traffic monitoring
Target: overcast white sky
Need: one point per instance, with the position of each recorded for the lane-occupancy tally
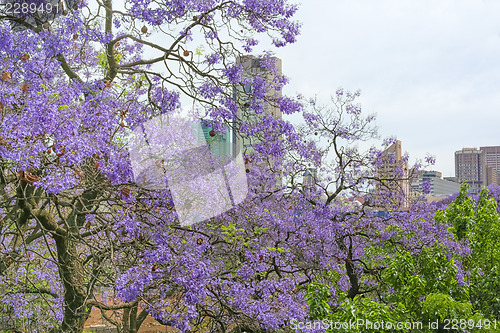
(430, 70)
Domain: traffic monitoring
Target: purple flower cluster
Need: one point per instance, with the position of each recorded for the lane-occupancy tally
(75, 222)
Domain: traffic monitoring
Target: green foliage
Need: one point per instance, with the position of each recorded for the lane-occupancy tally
(103, 59)
(459, 214)
(232, 233)
(442, 306)
(416, 288)
(411, 278)
(363, 309)
(484, 234)
(317, 297)
(479, 223)
(426, 287)
(452, 315)
(359, 308)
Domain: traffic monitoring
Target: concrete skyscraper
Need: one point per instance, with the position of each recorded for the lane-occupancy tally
(394, 173)
(492, 160)
(253, 68)
(477, 167)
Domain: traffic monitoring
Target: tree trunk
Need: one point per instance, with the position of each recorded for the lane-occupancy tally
(75, 310)
(132, 320)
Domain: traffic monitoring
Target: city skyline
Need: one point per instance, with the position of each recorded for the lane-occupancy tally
(478, 167)
(423, 67)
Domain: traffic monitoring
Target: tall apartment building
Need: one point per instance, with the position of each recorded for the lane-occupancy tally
(477, 167)
(253, 68)
(309, 178)
(492, 159)
(262, 75)
(395, 174)
(491, 175)
(470, 167)
(492, 156)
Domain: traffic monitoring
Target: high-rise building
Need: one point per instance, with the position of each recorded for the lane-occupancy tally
(394, 174)
(492, 160)
(257, 98)
(253, 68)
(492, 156)
(470, 167)
(478, 167)
(491, 176)
(309, 178)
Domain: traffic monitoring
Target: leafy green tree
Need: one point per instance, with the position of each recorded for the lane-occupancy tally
(478, 222)
(439, 282)
(409, 279)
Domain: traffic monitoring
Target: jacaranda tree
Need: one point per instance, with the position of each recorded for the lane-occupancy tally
(93, 217)
(74, 76)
